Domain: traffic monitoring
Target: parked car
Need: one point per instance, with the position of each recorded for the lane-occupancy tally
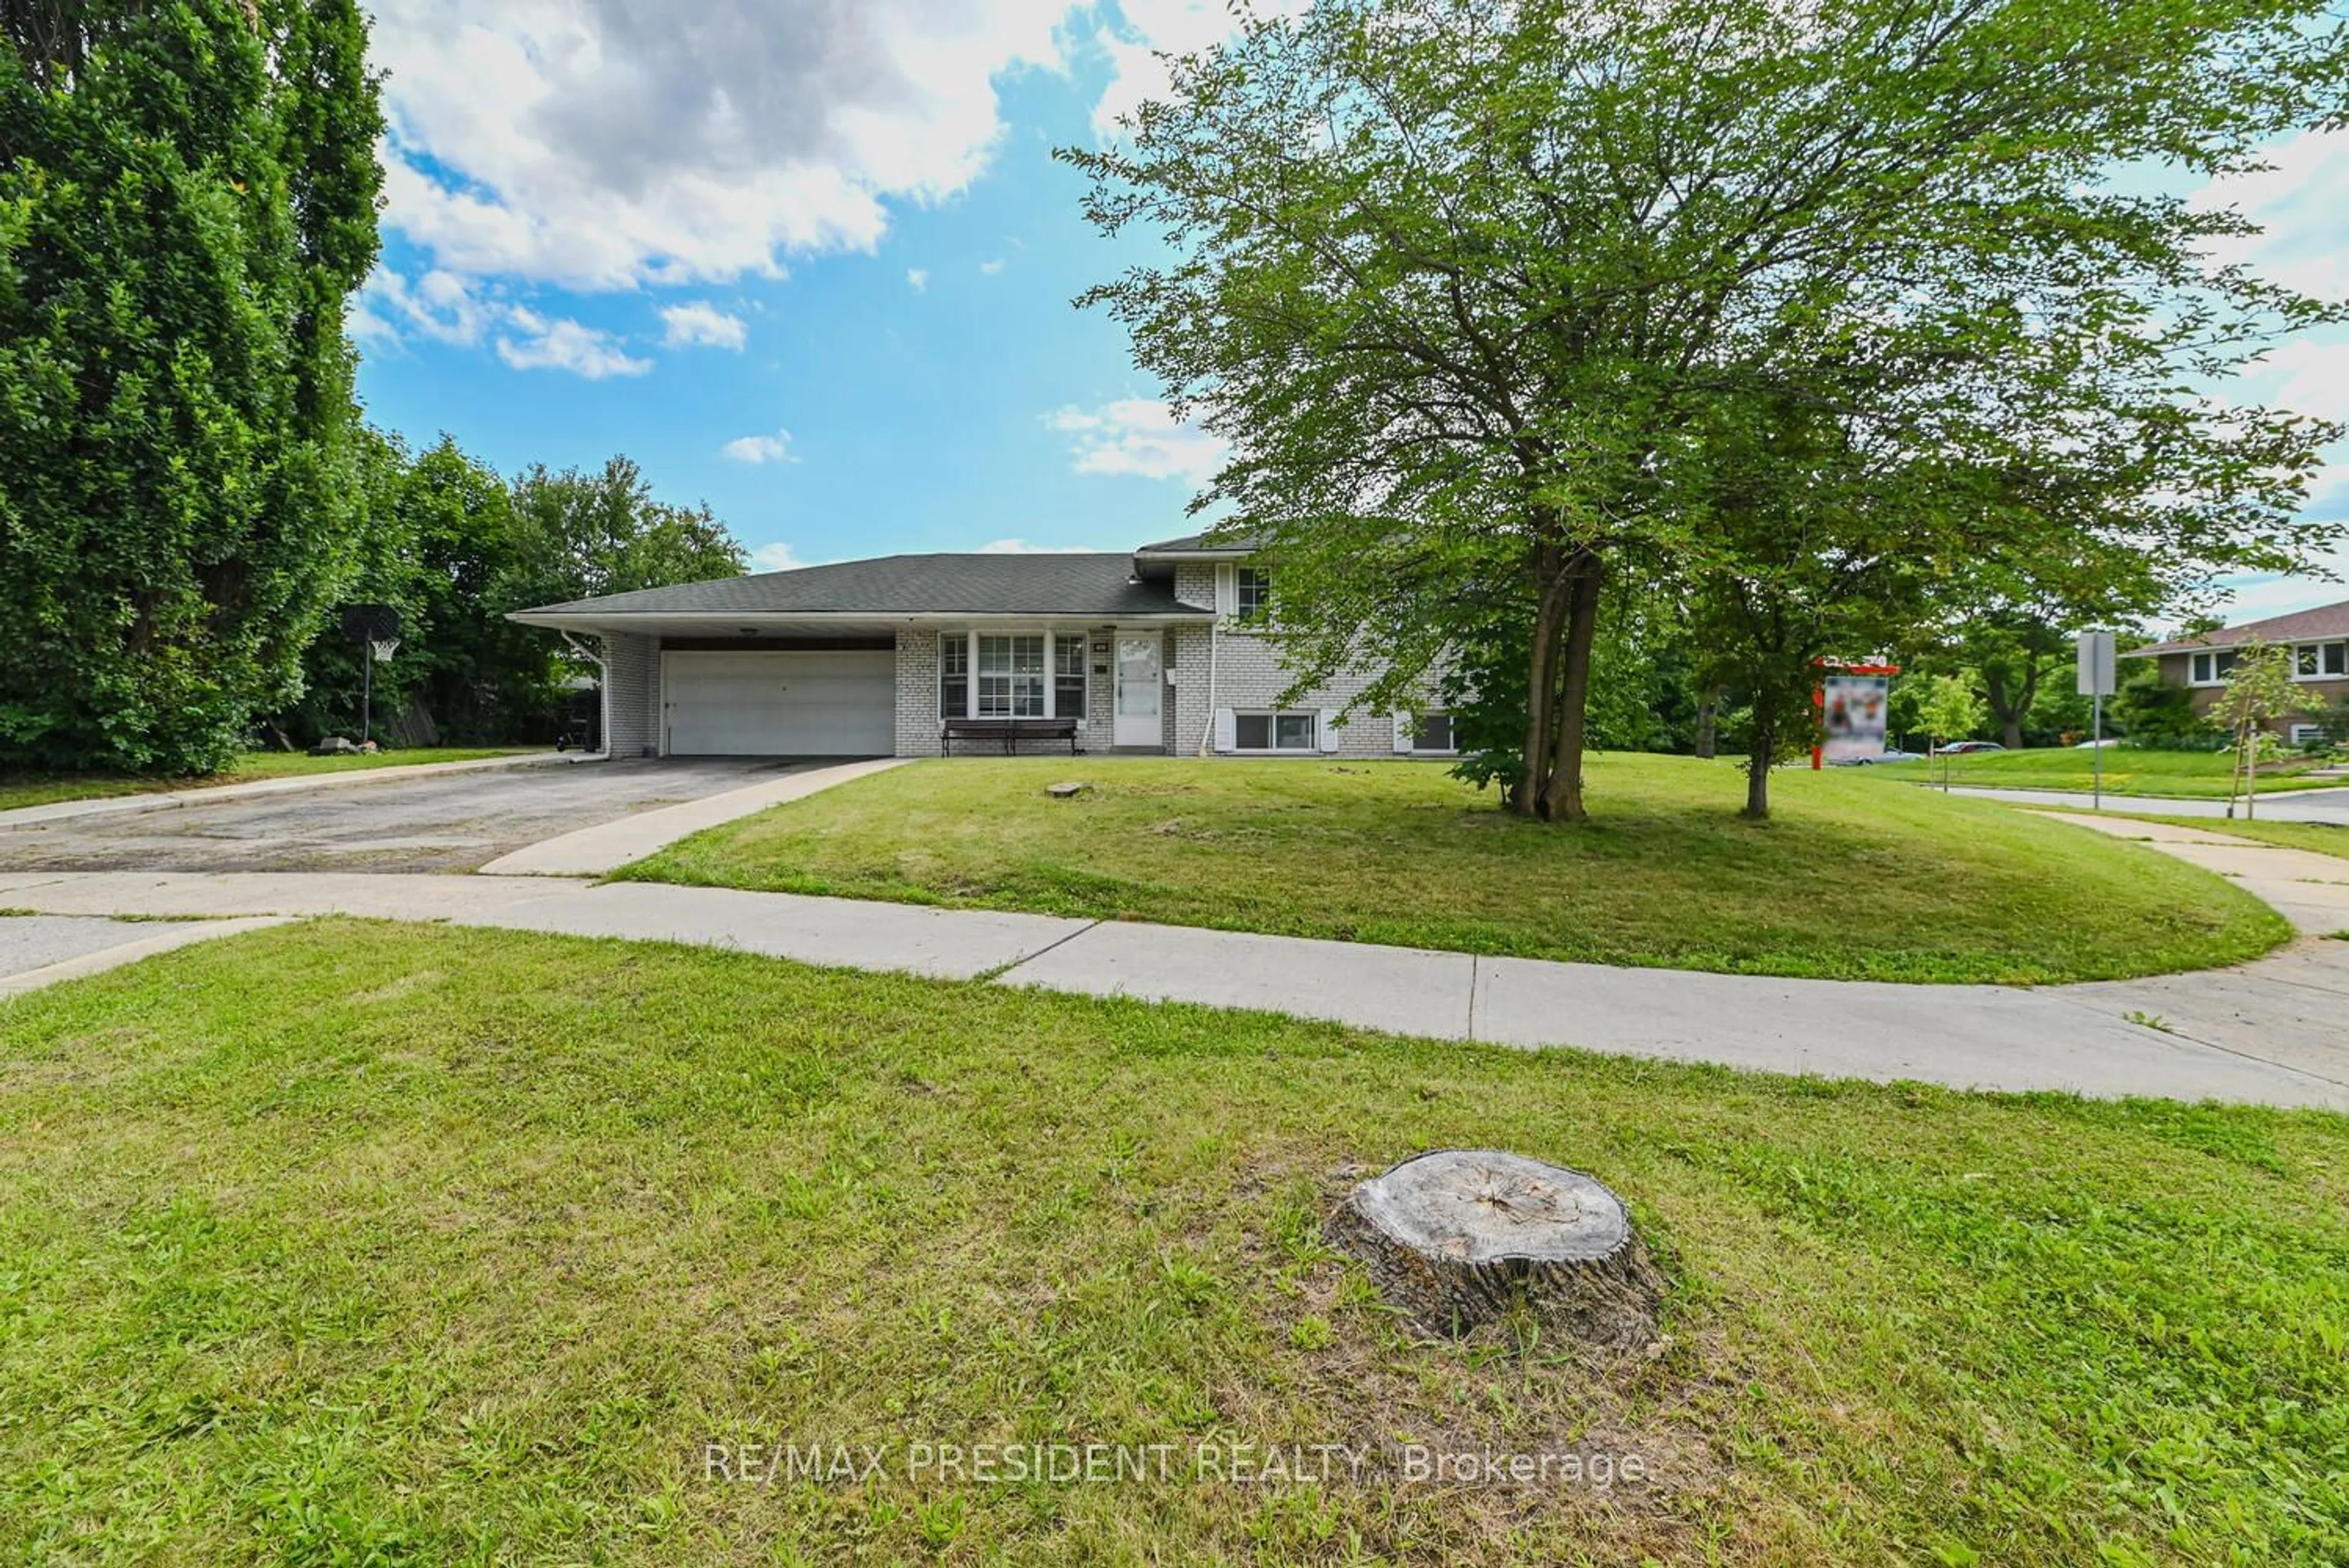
(1963, 748)
(1891, 754)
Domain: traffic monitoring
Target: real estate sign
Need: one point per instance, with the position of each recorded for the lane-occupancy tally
(1852, 712)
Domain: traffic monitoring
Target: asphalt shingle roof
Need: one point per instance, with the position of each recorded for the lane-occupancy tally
(2302, 626)
(1086, 584)
(1190, 542)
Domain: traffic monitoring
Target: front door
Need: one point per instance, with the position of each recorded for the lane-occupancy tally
(1140, 689)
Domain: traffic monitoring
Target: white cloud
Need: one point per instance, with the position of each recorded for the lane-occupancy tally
(1022, 548)
(701, 325)
(919, 277)
(565, 345)
(606, 143)
(1138, 436)
(1154, 27)
(761, 449)
(776, 558)
(2298, 203)
(438, 305)
(991, 268)
(2307, 375)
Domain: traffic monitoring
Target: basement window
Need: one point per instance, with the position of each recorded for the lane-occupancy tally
(1274, 732)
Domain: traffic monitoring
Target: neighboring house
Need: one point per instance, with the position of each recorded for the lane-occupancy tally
(1160, 651)
(2319, 643)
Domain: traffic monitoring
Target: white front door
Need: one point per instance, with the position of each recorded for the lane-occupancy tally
(1140, 688)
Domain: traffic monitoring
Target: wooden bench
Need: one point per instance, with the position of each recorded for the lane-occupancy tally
(1010, 732)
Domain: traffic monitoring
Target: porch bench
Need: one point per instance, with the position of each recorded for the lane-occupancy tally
(1010, 732)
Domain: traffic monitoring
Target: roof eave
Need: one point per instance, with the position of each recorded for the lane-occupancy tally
(582, 619)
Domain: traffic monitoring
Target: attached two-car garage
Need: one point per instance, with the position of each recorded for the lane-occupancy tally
(829, 703)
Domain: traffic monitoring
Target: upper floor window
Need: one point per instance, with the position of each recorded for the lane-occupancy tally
(2209, 669)
(1255, 593)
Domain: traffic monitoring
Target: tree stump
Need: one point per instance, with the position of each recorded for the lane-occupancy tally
(1456, 1236)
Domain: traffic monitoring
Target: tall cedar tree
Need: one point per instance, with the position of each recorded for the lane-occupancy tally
(187, 199)
(1456, 282)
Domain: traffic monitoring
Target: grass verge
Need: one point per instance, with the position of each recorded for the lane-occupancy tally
(19, 789)
(2322, 837)
(370, 1244)
(2178, 776)
(1849, 880)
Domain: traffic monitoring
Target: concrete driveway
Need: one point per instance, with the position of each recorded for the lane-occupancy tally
(458, 822)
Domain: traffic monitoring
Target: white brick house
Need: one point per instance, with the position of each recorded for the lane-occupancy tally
(1158, 651)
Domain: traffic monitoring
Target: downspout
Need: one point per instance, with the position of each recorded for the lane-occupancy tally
(1215, 638)
(602, 691)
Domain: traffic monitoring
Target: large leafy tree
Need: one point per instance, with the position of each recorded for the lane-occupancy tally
(441, 546)
(581, 535)
(453, 547)
(187, 199)
(1463, 286)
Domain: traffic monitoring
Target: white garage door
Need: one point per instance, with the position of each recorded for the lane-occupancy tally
(780, 704)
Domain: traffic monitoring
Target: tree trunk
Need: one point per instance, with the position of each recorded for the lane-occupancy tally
(1758, 765)
(1708, 725)
(1541, 683)
(1458, 1237)
(1562, 799)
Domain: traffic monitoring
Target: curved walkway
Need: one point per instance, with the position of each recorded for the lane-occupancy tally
(2268, 1033)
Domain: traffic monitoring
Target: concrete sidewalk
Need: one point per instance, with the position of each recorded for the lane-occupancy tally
(42, 950)
(2308, 889)
(2277, 1049)
(604, 848)
(2282, 806)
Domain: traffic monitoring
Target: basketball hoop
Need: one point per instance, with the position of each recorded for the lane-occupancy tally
(383, 647)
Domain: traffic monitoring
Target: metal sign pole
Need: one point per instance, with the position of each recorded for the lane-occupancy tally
(2097, 735)
(2098, 680)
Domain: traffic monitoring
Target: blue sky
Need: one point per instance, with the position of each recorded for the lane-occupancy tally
(812, 263)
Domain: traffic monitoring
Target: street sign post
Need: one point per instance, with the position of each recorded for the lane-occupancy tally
(2098, 672)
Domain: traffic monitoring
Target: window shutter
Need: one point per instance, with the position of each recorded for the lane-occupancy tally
(1228, 730)
(1328, 729)
(1227, 595)
(1402, 731)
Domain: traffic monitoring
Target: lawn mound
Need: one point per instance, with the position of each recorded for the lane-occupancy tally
(351, 1242)
(1849, 880)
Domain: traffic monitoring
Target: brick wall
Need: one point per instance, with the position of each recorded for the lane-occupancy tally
(632, 682)
(918, 693)
(1249, 677)
(2315, 696)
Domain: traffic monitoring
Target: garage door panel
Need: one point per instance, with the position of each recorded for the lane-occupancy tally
(779, 704)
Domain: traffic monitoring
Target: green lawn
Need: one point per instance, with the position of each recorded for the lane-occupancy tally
(2324, 838)
(363, 1243)
(1851, 879)
(2181, 775)
(40, 789)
